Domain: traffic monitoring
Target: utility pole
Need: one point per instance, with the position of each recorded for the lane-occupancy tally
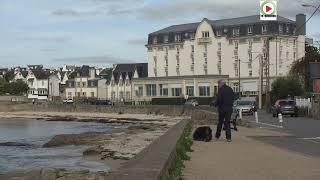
(260, 81)
(239, 77)
(267, 73)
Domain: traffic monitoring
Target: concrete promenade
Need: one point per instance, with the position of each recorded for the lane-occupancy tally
(248, 158)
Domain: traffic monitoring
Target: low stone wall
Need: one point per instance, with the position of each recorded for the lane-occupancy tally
(154, 161)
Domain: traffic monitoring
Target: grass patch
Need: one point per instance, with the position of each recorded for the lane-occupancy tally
(183, 146)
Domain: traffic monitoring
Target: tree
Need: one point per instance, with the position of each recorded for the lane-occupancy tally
(300, 68)
(13, 88)
(286, 86)
(9, 75)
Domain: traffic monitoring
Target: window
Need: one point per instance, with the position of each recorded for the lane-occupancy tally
(177, 37)
(78, 94)
(151, 89)
(78, 84)
(176, 92)
(121, 95)
(204, 90)
(205, 55)
(294, 43)
(113, 95)
(236, 31)
(166, 39)
(236, 45)
(192, 36)
(190, 90)
(84, 94)
(155, 40)
(92, 94)
(219, 32)
(192, 48)
(294, 55)
(250, 44)
(287, 29)
(264, 28)
(139, 91)
(84, 84)
(69, 94)
(250, 73)
(128, 95)
(219, 46)
(163, 89)
(287, 55)
(249, 30)
(280, 28)
(205, 48)
(205, 34)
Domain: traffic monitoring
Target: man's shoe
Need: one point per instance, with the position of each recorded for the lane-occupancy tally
(229, 140)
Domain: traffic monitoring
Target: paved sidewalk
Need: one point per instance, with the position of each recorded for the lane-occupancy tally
(248, 159)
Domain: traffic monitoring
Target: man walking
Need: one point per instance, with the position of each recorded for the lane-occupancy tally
(224, 103)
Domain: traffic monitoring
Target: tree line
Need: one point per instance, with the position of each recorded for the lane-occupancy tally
(9, 87)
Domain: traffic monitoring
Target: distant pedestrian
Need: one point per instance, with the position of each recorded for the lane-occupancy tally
(33, 101)
(224, 103)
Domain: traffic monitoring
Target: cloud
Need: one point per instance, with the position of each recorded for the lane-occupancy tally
(137, 41)
(106, 59)
(75, 13)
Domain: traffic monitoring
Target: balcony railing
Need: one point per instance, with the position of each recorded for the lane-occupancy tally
(204, 40)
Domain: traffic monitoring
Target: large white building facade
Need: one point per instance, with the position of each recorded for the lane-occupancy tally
(232, 47)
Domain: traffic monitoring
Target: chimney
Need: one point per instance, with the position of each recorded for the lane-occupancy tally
(301, 24)
(92, 72)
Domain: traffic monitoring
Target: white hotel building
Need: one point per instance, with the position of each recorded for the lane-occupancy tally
(198, 54)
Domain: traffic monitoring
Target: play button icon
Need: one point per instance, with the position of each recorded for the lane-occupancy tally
(268, 8)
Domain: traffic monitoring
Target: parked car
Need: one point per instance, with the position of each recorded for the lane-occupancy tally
(104, 102)
(285, 107)
(247, 107)
(68, 101)
(192, 102)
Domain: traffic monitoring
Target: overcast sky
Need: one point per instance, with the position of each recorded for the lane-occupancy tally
(102, 32)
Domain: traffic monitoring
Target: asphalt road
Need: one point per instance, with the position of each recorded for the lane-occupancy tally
(305, 133)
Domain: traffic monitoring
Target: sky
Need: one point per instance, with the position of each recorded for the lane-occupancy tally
(104, 32)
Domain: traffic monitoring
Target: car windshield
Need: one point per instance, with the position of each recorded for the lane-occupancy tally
(284, 103)
(242, 103)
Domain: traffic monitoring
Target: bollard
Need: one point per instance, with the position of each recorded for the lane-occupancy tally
(256, 116)
(280, 119)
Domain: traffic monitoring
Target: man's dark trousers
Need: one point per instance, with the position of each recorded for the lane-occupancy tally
(224, 118)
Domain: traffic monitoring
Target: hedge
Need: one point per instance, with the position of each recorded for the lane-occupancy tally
(181, 101)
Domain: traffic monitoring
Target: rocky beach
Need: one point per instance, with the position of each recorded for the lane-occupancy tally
(113, 147)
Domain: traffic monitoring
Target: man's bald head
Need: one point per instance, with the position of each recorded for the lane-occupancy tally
(221, 83)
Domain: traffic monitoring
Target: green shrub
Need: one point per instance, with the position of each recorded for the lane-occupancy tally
(183, 146)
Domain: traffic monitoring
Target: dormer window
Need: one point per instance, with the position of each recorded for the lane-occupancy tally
(250, 30)
(166, 39)
(219, 33)
(280, 28)
(264, 28)
(177, 38)
(155, 40)
(205, 34)
(192, 36)
(236, 31)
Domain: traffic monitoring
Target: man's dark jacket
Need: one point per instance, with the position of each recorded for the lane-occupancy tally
(225, 98)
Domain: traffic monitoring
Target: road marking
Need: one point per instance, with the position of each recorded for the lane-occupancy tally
(312, 138)
(266, 124)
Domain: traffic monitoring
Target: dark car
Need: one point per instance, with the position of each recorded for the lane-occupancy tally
(285, 107)
(104, 102)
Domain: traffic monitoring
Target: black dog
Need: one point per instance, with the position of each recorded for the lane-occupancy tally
(203, 134)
